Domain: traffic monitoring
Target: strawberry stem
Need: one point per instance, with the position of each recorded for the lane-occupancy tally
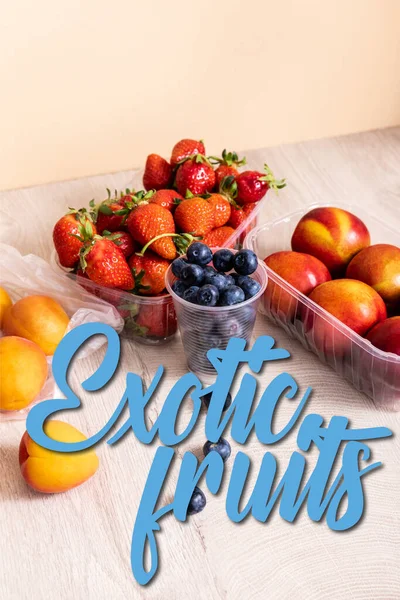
(183, 241)
(274, 184)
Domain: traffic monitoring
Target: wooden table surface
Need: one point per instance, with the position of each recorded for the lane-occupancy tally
(77, 545)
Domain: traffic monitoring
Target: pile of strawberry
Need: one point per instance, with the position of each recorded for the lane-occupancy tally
(128, 241)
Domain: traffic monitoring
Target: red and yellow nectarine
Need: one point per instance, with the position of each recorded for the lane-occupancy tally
(332, 235)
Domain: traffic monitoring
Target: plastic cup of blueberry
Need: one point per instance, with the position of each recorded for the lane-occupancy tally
(216, 294)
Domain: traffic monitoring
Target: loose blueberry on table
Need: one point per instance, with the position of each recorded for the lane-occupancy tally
(200, 283)
(197, 502)
(222, 447)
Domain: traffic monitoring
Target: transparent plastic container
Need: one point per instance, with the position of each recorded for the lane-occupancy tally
(206, 327)
(147, 319)
(370, 370)
(151, 319)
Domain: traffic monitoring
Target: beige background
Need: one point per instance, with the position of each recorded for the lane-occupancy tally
(93, 86)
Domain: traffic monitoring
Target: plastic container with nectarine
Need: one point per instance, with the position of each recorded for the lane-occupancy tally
(332, 308)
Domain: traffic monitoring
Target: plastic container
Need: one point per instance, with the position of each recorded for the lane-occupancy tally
(147, 320)
(206, 327)
(370, 370)
(151, 319)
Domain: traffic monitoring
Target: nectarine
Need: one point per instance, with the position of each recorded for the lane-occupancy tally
(379, 267)
(386, 335)
(302, 271)
(332, 235)
(353, 302)
(23, 372)
(39, 319)
(51, 472)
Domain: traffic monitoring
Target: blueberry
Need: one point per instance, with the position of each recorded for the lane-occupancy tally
(199, 254)
(177, 266)
(228, 401)
(207, 295)
(233, 295)
(222, 447)
(210, 339)
(192, 275)
(220, 281)
(245, 262)
(197, 502)
(230, 280)
(179, 288)
(209, 272)
(230, 327)
(250, 286)
(223, 260)
(191, 294)
(235, 278)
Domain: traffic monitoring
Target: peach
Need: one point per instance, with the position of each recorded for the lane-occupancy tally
(52, 472)
(39, 319)
(386, 335)
(303, 271)
(23, 372)
(353, 302)
(332, 235)
(379, 267)
(5, 303)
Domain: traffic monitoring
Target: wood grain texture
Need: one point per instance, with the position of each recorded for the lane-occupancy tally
(77, 545)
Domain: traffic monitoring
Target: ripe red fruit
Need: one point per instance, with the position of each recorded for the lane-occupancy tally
(222, 209)
(218, 237)
(123, 240)
(157, 173)
(166, 198)
(149, 273)
(239, 214)
(195, 216)
(156, 320)
(148, 221)
(111, 217)
(105, 264)
(195, 175)
(69, 234)
(252, 185)
(185, 148)
(227, 165)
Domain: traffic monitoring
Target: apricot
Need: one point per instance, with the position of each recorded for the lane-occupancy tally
(386, 335)
(5, 303)
(23, 372)
(332, 235)
(39, 319)
(303, 271)
(379, 267)
(52, 472)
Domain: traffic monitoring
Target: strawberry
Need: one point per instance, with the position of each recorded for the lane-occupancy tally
(252, 185)
(222, 209)
(157, 173)
(149, 273)
(227, 165)
(150, 221)
(123, 240)
(166, 198)
(184, 149)
(195, 215)
(218, 237)
(105, 264)
(69, 234)
(111, 217)
(156, 320)
(196, 175)
(239, 214)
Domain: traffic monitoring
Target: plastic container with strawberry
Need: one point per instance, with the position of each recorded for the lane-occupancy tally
(121, 248)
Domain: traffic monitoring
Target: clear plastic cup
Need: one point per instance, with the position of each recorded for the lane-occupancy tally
(206, 327)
